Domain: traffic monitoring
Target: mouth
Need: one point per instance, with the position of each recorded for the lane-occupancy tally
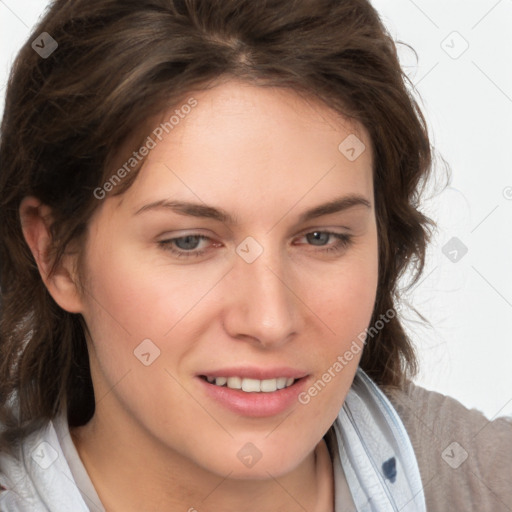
(249, 385)
(254, 392)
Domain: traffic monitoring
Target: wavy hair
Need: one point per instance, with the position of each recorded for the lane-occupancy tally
(120, 62)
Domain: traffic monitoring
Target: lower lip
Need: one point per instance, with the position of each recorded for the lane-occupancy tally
(255, 405)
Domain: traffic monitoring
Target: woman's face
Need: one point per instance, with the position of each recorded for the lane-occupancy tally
(218, 263)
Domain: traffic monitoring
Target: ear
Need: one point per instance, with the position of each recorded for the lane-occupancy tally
(35, 223)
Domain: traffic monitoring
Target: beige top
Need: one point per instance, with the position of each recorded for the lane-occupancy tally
(465, 459)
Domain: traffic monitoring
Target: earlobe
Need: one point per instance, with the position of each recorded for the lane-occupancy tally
(35, 223)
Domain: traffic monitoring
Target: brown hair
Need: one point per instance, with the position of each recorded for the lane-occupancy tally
(119, 62)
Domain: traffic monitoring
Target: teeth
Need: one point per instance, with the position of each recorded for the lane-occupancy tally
(234, 382)
(268, 385)
(252, 385)
(281, 382)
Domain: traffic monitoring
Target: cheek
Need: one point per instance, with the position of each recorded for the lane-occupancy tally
(143, 311)
(344, 301)
(352, 311)
(131, 308)
(140, 298)
(344, 297)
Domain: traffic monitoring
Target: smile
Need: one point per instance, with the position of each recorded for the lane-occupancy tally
(252, 385)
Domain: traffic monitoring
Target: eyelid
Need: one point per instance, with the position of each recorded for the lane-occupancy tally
(179, 233)
(323, 229)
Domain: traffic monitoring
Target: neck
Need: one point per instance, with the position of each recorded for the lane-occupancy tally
(132, 471)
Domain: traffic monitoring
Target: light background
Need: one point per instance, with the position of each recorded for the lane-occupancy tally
(466, 97)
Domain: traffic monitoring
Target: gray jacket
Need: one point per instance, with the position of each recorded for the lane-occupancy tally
(465, 460)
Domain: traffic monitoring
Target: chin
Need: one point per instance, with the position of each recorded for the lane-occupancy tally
(248, 462)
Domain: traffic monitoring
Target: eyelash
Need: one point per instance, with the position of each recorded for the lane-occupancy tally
(343, 241)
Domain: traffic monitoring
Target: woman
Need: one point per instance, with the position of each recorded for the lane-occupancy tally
(207, 206)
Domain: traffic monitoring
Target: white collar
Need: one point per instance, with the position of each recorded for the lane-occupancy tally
(376, 453)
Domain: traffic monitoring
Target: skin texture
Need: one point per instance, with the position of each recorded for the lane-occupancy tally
(157, 441)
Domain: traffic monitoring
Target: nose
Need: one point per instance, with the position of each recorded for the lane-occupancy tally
(261, 304)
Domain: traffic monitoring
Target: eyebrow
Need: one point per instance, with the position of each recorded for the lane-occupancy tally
(209, 212)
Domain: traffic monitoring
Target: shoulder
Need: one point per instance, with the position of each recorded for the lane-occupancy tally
(464, 458)
(17, 490)
(34, 474)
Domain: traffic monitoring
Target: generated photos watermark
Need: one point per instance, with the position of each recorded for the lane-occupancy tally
(344, 359)
(149, 144)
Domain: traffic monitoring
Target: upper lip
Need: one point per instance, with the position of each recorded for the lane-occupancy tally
(252, 372)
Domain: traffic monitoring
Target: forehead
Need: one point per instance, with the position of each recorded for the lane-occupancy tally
(241, 140)
(263, 112)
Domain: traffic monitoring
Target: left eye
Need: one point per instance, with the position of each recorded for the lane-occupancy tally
(342, 240)
(319, 236)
